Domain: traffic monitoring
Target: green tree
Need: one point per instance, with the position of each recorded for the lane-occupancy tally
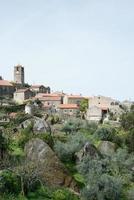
(127, 119)
(84, 105)
(130, 140)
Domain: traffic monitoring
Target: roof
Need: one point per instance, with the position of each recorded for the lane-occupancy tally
(22, 90)
(48, 95)
(99, 107)
(5, 83)
(68, 106)
(36, 86)
(75, 96)
(49, 98)
(58, 93)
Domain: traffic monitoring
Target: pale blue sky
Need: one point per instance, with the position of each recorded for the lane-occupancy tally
(79, 46)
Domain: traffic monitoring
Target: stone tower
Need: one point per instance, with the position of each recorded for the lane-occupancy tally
(19, 74)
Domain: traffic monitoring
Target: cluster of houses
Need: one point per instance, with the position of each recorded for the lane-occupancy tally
(99, 107)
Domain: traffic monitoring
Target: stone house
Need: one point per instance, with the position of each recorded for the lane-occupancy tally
(6, 88)
(96, 113)
(101, 107)
(49, 100)
(68, 109)
(73, 99)
(40, 89)
(22, 94)
(103, 101)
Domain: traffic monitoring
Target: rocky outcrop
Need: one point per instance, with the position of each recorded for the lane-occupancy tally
(51, 170)
(39, 125)
(106, 147)
(88, 149)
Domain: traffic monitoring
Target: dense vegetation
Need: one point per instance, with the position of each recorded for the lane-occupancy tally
(100, 176)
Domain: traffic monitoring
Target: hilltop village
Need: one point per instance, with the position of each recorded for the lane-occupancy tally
(95, 108)
(59, 146)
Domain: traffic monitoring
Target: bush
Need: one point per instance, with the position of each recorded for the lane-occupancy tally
(53, 119)
(127, 119)
(72, 125)
(130, 140)
(40, 193)
(91, 127)
(26, 134)
(21, 117)
(104, 187)
(9, 182)
(66, 151)
(63, 194)
(107, 178)
(46, 137)
(130, 194)
(105, 133)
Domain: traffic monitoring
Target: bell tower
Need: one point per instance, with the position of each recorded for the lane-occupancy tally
(19, 74)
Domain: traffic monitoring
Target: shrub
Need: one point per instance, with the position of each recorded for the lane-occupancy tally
(130, 194)
(40, 193)
(72, 125)
(127, 119)
(21, 117)
(91, 127)
(107, 178)
(9, 182)
(103, 187)
(46, 137)
(26, 134)
(63, 194)
(130, 140)
(105, 133)
(66, 151)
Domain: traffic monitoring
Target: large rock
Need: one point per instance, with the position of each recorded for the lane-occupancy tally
(39, 125)
(106, 147)
(51, 170)
(88, 149)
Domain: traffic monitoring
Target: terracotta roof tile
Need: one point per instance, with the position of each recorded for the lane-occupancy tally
(68, 106)
(22, 90)
(5, 83)
(49, 98)
(75, 96)
(36, 86)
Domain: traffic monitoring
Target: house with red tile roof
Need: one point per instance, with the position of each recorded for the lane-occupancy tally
(6, 88)
(73, 99)
(68, 109)
(50, 100)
